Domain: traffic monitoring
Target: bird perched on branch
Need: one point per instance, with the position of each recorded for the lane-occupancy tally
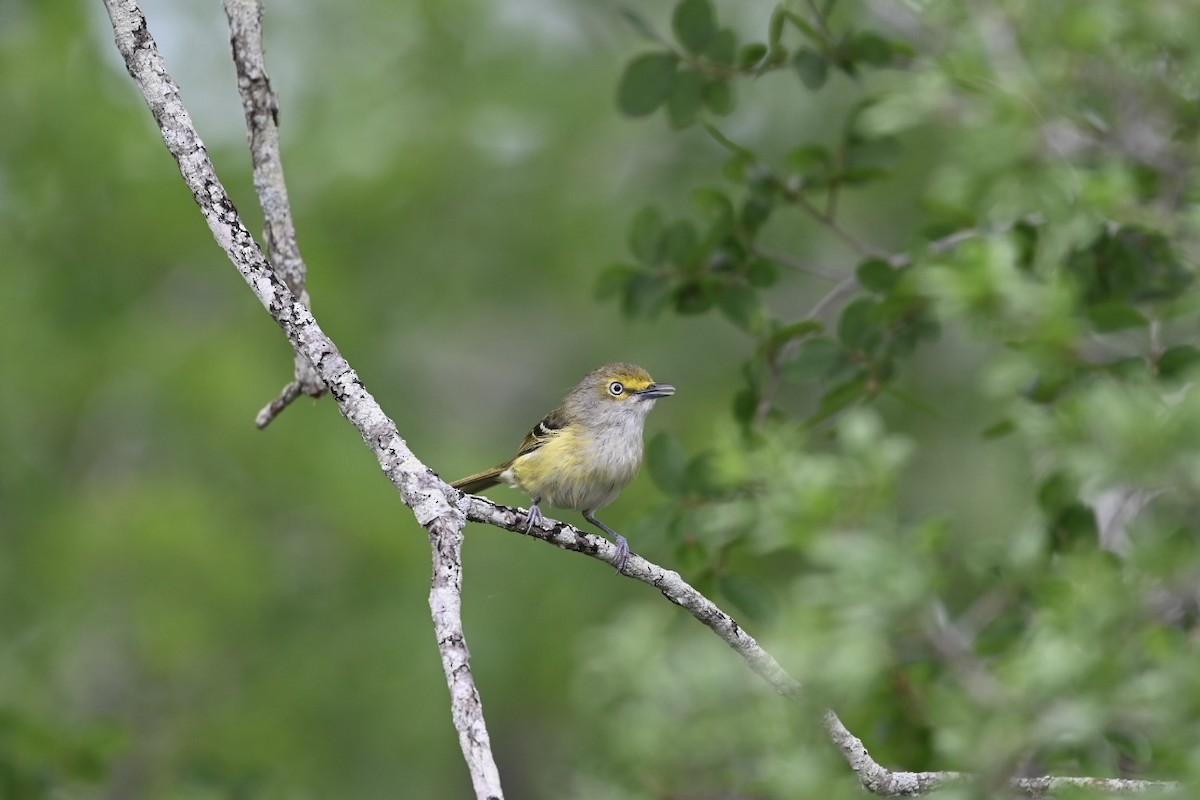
(583, 453)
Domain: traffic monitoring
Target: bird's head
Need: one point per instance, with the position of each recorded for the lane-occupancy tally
(619, 388)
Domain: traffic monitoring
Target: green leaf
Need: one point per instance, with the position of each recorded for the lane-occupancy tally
(691, 557)
(755, 212)
(841, 397)
(646, 83)
(667, 463)
(999, 429)
(1114, 316)
(775, 28)
(1025, 234)
(852, 129)
(879, 153)
(694, 23)
(704, 476)
(745, 404)
(718, 96)
(1131, 263)
(877, 275)
(722, 48)
(816, 358)
(752, 598)
(1178, 360)
(751, 55)
(686, 98)
(712, 202)
(762, 273)
(813, 163)
(646, 236)
(857, 326)
(775, 57)
(1126, 369)
(680, 242)
(1073, 528)
(645, 294)
(1056, 492)
(1048, 387)
(742, 306)
(795, 330)
(735, 168)
(871, 49)
(613, 279)
(812, 67)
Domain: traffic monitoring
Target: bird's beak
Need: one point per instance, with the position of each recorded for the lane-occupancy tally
(657, 390)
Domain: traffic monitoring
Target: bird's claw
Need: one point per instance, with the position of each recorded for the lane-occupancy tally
(535, 517)
(622, 553)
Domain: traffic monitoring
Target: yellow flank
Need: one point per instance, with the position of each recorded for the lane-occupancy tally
(573, 470)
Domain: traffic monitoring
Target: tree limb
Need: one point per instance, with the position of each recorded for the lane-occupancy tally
(466, 708)
(261, 108)
(421, 490)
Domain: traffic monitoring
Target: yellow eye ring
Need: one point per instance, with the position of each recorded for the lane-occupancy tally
(616, 388)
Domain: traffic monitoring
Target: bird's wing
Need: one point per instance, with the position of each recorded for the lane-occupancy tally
(544, 431)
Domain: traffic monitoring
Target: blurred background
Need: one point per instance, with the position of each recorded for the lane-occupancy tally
(192, 608)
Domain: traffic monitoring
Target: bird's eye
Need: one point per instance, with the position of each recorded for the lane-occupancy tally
(616, 389)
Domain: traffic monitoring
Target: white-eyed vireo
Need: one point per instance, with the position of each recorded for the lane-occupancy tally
(583, 453)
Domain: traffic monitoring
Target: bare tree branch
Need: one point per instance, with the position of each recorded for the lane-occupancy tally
(444, 511)
(466, 709)
(433, 503)
(262, 125)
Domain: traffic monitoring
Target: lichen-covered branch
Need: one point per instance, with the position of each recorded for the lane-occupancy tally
(262, 126)
(466, 708)
(420, 489)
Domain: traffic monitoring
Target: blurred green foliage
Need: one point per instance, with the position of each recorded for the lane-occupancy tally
(924, 275)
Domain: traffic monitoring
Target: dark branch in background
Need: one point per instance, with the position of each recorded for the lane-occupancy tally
(433, 503)
(262, 125)
(442, 510)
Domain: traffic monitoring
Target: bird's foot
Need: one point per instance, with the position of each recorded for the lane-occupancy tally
(535, 517)
(622, 552)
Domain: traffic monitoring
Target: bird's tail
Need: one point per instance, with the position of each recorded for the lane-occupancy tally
(474, 484)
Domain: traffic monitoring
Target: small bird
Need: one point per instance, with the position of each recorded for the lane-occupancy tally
(583, 453)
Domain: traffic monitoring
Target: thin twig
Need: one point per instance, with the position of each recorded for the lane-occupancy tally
(286, 397)
(419, 488)
(822, 22)
(954, 647)
(953, 240)
(793, 263)
(857, 245)
(261, 109)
